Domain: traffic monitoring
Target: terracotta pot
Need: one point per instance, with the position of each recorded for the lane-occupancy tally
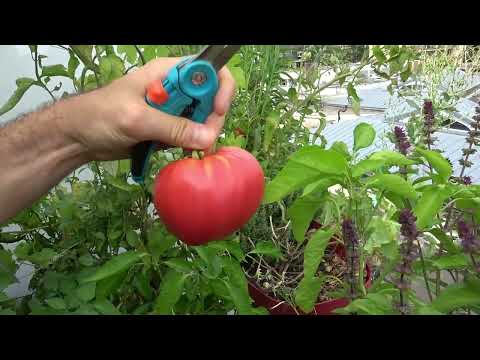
(278, 307)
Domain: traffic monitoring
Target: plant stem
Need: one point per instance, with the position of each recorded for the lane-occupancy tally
(39, 80)
(424, 272)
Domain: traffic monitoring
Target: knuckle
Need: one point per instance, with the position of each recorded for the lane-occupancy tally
(131, 116)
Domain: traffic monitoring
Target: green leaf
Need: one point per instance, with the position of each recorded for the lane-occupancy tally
(306, 294)
(378, 160)
(105, 307)
(43, 257)
(73, 63)
(363, 135)
(111, 67)
(115, 265)
(86, 292)
(319, 185)
(380, 233)
(438, 162)
(7, 264)
(429, 205)
(55, 70)
(170, 291)
(394, 184)
(341, 148)
(315, 250)
(232, 246)
(179, 264)
(149, 52)
(111, 167)
(445, 240)
(129, 51)
(267, 248)
(356, 106)
(372, 304)
(6, 279)
(301, 213)
(159, 242)
(352, 92)
(23, 84)
(86, 260)
(427, 310)
(162, 51)
(271, 123)
(56, 303)
(379, 55)
(237, 286)
(306, 165)
(108, 285)
(142, 283)
(459, 295)
(84, 53)
(133, 239)
(455, 261)
(7, 312)
(122, 185)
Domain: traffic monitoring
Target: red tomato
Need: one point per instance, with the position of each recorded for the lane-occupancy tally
(211, 198)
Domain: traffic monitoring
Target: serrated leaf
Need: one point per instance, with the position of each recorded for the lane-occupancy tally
(307, 165)
(267, 248)
(115, 265)
(352, 92)
(306, 294)
(170, 291)
(363, 135)
(23, 84)
(438, 162)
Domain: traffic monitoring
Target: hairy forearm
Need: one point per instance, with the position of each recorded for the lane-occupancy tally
(35, 155)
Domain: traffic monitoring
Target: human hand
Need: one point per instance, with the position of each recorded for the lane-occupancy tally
(112, 119)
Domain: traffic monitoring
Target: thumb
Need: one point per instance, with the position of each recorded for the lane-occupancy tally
(180, 131)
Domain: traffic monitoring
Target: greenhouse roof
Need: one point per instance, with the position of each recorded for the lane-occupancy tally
(450, 143)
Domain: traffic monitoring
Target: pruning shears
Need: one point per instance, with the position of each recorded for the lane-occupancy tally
(188, 91)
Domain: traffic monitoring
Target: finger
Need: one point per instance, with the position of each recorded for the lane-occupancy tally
(178, 131)
(154, 70)
(226, 92)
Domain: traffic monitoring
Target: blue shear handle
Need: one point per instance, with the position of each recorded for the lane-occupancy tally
(185, 99)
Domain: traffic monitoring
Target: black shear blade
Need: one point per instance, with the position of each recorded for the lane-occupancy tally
(218, 55)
